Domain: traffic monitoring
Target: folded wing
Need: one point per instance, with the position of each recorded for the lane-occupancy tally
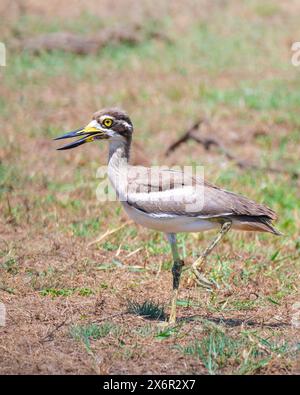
(171, 192)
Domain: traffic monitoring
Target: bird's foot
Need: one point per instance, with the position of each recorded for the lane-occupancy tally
(200, 280)
(172, 319)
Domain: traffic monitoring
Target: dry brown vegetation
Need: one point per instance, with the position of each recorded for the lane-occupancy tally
(66, 301)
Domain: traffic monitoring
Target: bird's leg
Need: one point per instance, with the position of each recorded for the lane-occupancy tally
(199, 277)
(176, 271)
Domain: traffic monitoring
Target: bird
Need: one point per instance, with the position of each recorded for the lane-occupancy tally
(168, 200)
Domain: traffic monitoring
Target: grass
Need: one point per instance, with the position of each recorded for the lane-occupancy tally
(66, 292)
(10, 265)
(216, 66)
(144, 331)
(247, 353)
(147, 309)
(86, 333)
(86, 228)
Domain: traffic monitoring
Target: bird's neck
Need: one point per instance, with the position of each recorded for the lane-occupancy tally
(118, 164)
(119, 150)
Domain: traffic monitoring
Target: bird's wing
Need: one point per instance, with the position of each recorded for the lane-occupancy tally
(171, 192)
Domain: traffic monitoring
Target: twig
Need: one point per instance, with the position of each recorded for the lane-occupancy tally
(120, 246)
(49, 336)
(134, 252)
(186, 136)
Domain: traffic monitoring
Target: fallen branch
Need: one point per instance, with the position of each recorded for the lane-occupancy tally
(207, 143)
(91, 44)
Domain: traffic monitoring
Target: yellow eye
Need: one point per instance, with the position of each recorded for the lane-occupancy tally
(107, 122)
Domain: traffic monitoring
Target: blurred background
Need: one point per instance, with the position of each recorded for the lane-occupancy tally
(169, 64)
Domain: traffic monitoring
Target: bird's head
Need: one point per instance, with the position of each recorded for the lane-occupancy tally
(109, 123)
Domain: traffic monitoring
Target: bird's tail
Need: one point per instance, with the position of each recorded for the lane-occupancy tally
(259, 223)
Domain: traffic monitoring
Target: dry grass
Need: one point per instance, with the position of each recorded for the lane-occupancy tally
(67, 303)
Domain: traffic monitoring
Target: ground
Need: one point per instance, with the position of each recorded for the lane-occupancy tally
(76, 307)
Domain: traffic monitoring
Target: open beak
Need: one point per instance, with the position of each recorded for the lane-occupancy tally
(87, 134)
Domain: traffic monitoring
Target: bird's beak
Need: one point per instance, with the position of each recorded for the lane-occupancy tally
(87, 134)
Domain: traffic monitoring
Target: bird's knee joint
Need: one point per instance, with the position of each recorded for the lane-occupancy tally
(177, 267)
(226, 226)
(176, 271)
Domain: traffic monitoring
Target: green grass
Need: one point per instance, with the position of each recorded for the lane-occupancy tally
(86, 227)
(54, 292)
(247, 352)
(10, 265)
(147, 309)
(215, 350)
(264, 96)
(8, 178)
(86, 333)
(166, 333)
(144, 331)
